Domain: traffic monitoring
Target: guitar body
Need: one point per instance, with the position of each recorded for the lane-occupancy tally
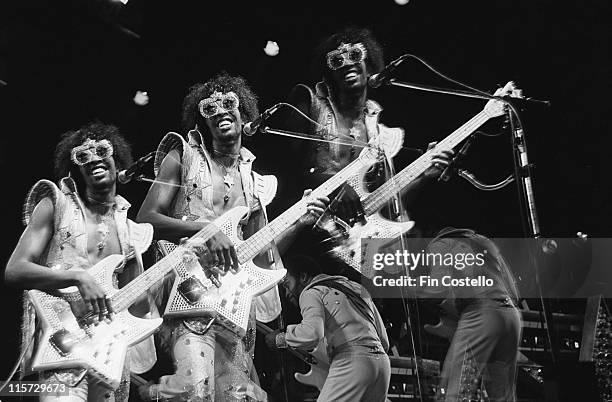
(318, 370)
(101, 349)
(350, 249)
(348, 245)
(194, 295)
(317, 360)
(446, 328)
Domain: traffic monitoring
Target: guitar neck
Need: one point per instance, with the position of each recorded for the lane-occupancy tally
(377, 199)
(247, 250)
(127, 295)
(138, 380)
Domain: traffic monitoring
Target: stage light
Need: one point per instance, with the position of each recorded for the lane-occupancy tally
(141, 98)
(401, 2)
(271, 48)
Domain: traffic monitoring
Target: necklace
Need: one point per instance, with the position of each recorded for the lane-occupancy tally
(103, 228)
(228, 175)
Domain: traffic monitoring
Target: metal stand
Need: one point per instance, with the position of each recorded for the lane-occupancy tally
(466, 94)
(294, 134)
(283, 360)
(531, 226)
(426, 88)
(524, 183)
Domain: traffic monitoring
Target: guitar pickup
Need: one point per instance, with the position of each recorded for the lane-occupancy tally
(63, 341)
(192, 289)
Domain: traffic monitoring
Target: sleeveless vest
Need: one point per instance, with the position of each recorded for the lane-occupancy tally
(194, 199)
(67, 248)
(324, 112)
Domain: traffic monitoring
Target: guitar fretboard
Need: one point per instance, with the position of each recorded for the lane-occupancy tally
(247, 250)
(260, 240)
(130, 292)
(377, 199)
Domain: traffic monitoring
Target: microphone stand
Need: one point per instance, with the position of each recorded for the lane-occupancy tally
(293, 134)
(465, 94)
(523, 171)
(426, 88)
(283, 361)
(524, 183)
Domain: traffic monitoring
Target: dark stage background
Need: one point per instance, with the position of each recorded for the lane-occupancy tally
(73, 61)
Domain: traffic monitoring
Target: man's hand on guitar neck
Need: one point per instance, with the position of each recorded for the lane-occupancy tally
(440, 160)
(315, 208)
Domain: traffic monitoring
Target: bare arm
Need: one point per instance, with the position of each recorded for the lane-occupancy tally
(315, 208)
(24, 271)
(439, 161)
(156, 205)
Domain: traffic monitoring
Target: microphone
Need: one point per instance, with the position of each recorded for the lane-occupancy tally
(252, 127)
(446, 173)
(377, 80)
(524, 102)
(126, 175)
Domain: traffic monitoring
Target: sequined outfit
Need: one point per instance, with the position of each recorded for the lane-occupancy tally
(67, 249)
(199, 351)
(327, 156)
(483, 351)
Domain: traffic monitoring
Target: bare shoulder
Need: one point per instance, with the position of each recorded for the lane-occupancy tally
(170, 168)
(42, 215)
(171, 160)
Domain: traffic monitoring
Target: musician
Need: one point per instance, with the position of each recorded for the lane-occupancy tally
(346, 118)
(485, 344)
(69, 229)
(341, 314)
(341, 105)
(199, 179)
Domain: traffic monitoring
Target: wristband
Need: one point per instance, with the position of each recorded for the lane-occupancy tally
(281, 342)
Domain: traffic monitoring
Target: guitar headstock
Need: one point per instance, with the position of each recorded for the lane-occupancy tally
(495, 108)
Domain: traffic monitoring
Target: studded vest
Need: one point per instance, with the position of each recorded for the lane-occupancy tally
(194, 199)
(67, 248)
(324, 112)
